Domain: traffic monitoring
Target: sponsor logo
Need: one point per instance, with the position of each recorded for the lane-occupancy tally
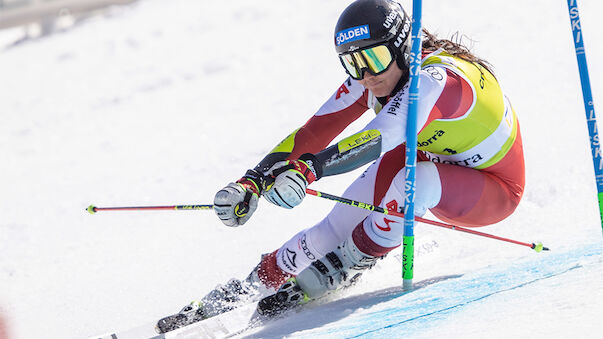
(392, 205)
(474, 159)
(434, 73)
(389, 20)
(357, 140)
(403, 34)
(352, 34)
(304, 247)
(387, 228)
(363, 175)
(342, 90)
(432, 139)
(394, 104)
(290, 256)
(576, 28)
(310, 165)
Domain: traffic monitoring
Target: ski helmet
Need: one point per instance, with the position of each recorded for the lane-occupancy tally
(367, 23)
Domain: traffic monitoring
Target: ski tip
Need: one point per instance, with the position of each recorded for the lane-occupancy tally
(91, 209)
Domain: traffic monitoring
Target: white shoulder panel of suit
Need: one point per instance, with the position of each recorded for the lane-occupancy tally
(391, 120)
(345, 96)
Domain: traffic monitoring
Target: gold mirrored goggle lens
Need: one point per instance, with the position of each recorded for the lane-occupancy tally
(378, 58)
(375, 59)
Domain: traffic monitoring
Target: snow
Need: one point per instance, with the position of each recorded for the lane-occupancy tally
(165, 102)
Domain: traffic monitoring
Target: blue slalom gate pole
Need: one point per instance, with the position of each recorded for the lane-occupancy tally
(408, 239)
(591, 118)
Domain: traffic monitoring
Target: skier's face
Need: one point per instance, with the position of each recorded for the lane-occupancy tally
(383, 84)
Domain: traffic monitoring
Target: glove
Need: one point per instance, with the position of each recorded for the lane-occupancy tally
(235, 203)
(290, 179)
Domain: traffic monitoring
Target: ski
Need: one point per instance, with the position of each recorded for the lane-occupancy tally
(144, 331)
(237, 321)
(224, 325)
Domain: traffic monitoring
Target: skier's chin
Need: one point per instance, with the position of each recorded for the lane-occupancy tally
(379, 88)
(383, 84)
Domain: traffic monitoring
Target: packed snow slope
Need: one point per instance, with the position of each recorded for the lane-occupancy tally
(165, 102)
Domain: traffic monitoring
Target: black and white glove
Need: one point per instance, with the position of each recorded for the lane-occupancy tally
(235, 203)
(289, 180)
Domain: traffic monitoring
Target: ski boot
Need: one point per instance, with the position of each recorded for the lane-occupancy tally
(265, 278)
(288, 296)
(189, 314)
(338, 269)
(222, 299)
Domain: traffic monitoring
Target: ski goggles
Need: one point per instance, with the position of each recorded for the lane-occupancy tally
(375, 60)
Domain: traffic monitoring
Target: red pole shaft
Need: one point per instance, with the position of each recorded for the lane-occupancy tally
(423, 220)
(96, 209)
(466, 230)
(93, 209)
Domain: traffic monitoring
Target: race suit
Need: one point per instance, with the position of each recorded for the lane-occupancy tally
(470, 168)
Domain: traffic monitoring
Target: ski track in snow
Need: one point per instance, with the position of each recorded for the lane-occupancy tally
(433, 304)
(143, 106)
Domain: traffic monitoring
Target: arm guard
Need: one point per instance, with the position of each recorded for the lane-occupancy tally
(350, 153)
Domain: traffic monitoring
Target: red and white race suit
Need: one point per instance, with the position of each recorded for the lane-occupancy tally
(470, 168)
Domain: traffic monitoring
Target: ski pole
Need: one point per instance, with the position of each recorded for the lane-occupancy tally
(538, 247)
(241, 209)
(93, 209)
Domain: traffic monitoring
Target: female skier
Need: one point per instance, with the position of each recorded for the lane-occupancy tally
(470, 168)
